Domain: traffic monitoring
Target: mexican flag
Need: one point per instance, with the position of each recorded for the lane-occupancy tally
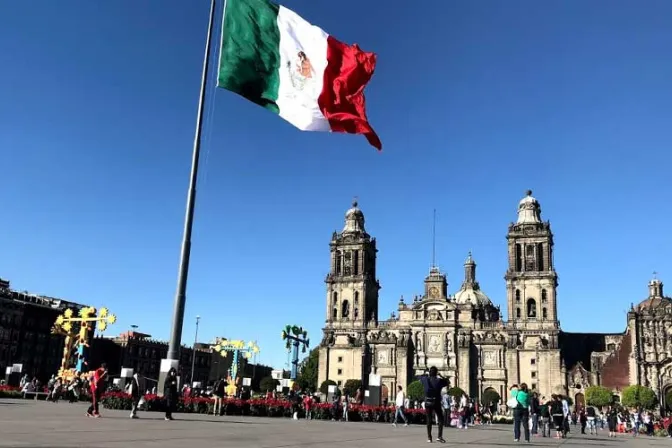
(276, 59)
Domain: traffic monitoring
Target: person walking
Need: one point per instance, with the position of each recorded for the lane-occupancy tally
(521, 413)
(545, 414)
(218, 392)
(591, 415)
(136, 395)
(97, 388)
(534, 413)
(170, 392)
(399, 406)
(432, 382)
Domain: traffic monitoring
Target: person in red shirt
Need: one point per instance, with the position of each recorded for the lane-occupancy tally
(308, 406)
(97, 387)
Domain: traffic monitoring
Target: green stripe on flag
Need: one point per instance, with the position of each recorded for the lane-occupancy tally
(250, 54)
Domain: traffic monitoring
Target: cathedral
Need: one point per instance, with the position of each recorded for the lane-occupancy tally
(466, 337)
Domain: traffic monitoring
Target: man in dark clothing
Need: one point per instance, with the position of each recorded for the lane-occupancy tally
(433, 383)
(170, 392)
(534, 413)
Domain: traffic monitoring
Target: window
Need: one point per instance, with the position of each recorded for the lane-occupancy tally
(544, 313)
(519, 258)
(544, 296)
(534, 374)
(540, 256)
(355, 263)
(345, 310)
(517, 295)
(340, 359)
(334, 314)
(340, 372)
(533, 361)
(531, 308)
(534, 386)
(340, 383)
(518, 313)
(338, 263)
(611, 347)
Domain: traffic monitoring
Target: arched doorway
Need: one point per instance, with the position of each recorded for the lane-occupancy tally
(579, 401)
(384, 393)
(667, 398)
(490, 398)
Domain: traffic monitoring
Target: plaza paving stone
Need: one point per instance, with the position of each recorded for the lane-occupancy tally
(26, 423)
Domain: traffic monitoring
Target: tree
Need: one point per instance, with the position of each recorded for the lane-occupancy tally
(598, 396)
(490, 396)
(639, 396)
(307, 378)
(351, 386)
(324, 387)
(268, 384)
(415, 391)
(455, 392)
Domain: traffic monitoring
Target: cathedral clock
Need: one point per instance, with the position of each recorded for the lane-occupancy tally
(433, 292)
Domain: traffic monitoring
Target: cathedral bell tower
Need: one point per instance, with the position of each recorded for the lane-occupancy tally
(531, 280)
(352, 288)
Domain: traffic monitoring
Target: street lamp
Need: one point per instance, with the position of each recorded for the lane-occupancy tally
(193, 351)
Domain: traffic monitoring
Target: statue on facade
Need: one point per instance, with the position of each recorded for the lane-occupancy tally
(449, 342)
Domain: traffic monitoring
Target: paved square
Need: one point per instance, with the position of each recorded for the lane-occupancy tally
(39, 424)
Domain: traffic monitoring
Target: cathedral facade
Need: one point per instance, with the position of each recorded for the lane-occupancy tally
(466, 337)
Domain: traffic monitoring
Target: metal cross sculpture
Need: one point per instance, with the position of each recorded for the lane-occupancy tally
(295, 336)
(239, 349)
(64, 325)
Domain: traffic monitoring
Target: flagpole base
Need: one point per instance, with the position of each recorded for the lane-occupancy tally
(166, 365)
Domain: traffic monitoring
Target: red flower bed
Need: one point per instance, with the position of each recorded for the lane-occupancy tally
(265, 408)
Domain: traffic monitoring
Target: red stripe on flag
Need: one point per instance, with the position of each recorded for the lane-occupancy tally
(342, 101)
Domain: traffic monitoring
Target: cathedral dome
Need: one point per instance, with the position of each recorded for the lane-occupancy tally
(354, 219)
(656, 298)
(470, 295)
(529, 210)
(470, 291)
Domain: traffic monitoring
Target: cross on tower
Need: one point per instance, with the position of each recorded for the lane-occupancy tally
(655, 275)
(238, 348)
(295, 336)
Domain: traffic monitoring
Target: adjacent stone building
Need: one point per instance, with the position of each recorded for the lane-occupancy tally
(466, 337)
(26, 338)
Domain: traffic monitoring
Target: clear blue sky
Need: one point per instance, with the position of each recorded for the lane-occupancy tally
(475, 103)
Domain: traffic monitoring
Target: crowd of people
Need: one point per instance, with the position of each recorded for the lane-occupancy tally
(533, 415)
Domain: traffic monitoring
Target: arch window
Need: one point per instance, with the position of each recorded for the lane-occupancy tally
(544, 296)
(517, 295)
(334, 313)
(531, 308)
(345, 309)
(544, 313)
(518, 313)
(337, 263)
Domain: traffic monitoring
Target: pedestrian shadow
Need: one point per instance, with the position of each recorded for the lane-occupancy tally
(161, 419)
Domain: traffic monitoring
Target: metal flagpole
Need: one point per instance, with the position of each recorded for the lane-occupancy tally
(180, 297)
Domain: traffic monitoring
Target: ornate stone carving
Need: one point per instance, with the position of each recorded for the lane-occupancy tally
(434, 344)
(489, 358)
(383, 357)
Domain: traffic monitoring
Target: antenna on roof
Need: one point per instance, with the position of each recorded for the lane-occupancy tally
(434, 240)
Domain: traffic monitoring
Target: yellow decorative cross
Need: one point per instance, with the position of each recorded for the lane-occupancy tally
(64, 325)
(238, 348)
